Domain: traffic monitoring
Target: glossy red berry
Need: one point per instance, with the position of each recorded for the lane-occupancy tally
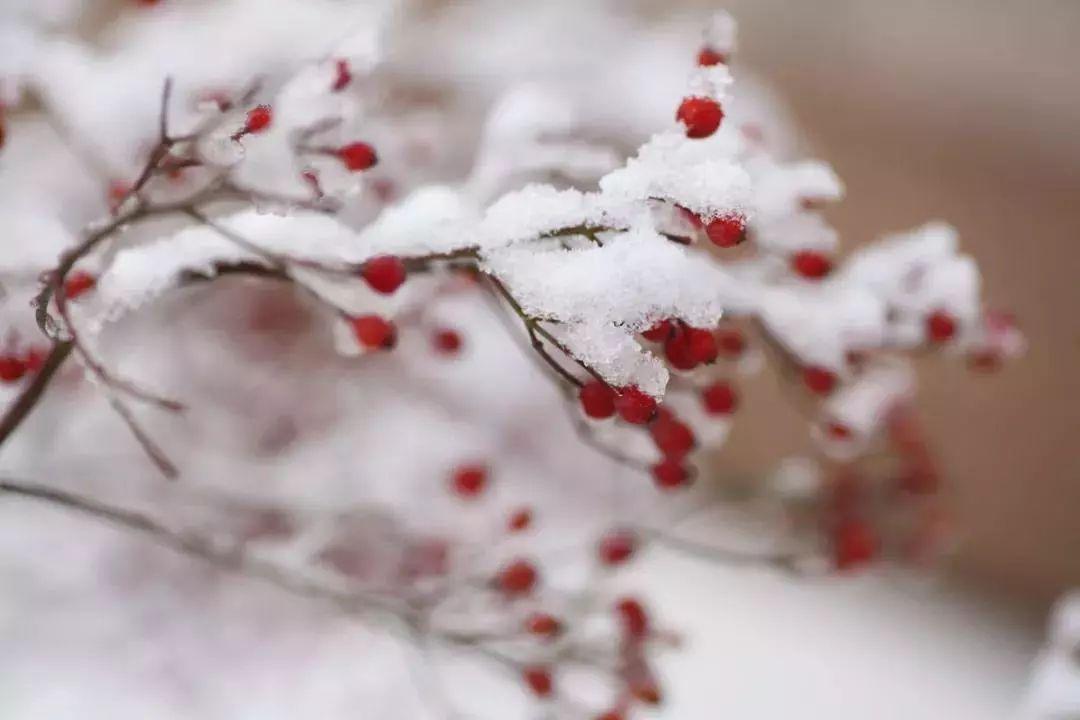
(670, 474)
(727, 230)
(539, 680)
(673, 438)
(374, 332)
(854, 544)
(358, 156)
(519, 520)
(700, 115)
(709, 57)
(811, 264)
(78, 283)
(635, 406)
(342, 75)
(258, 119)
(446, 341)
(469, 481)
(616, 547)
(543, 625)
(517, 578)
(940, 326)
(731, 342)
(703, 347)
(632, 617)
(12, 368)
(659, 332)
(679, 351)
(384, 273)
(597, 399)
(720, 398)
(819, 380)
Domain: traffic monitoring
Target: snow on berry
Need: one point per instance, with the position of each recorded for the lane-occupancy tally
(384, 273)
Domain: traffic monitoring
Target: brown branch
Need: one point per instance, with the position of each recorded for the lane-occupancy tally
(34, 390)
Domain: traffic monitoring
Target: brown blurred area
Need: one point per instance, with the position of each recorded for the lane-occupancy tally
(969, 111)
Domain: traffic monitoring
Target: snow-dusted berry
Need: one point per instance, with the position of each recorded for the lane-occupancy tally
(543, 625)
(700, 115)
(258, 119)
(727, 230)
(659, 332)
(12, 368)
(468, 481)
(597, 399)
(703, 347)
(811, 264)
(538, 678)
(634, 405)
(670, 474)
(819, 380)
(719, 398)
(616, 547)
(632, 617)
(517, 578)
(384, 273)
(708, 57)
(673, 438)
(78, 283)
(357, 156)
(940, 326)
(342, 75)
(374, 332)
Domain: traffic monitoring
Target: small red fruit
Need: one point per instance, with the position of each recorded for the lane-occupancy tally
(679, 352)
(709, 57)
(719, 398)
(358, 156)
(635, 406)
(447, 341)
(597, 399)
(659, 332)
(517, 578)
(632, 617)
(672, 437)
(727, 230)
(611, 715)
(731, 342)
(703, 347)
(646, 691)
(343, 75)
(700, 115)
(374, 332)
(538, 679)
(384, 273)
(543, 625)
(12, 368)
(258, 119)
(819, 380)
(78, 283)
(838, 431)
(670, 474)
(811, 264)
(469, 480)
(854, 544)
(940, 326)
(616, 547)
(519, 520)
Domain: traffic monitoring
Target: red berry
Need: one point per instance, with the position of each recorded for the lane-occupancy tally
(811, 264)
(632, 617)
(700, 115)
(611, 715)
(731, 342)
(519, 520)
(703, 347)
(543, 625)
(469, 480)
(539, 680)
(838, 431)
(670, 474)
(343, 75)
(12, 368)
(597, 399)
(635, 406)
(374, 332)
(258, 119)
(854, 543)
(673, 438)
(819, 380)
(940, 326)
(646, 691)
(384, 273)
(446, 341)
(617, 547)
(719, 398)
(709, 57)
(78, 283)
(659, 332)
(727, 230)
(358, 156)
(517, 578)
(679, 352)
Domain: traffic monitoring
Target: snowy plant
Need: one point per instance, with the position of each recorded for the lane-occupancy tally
(538, 343)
